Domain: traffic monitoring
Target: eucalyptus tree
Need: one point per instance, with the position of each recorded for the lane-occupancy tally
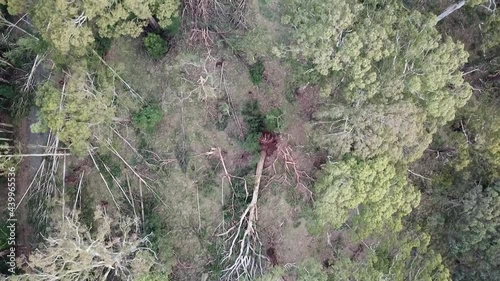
(379, 55)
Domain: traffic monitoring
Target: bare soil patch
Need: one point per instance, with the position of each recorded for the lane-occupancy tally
(308, 101)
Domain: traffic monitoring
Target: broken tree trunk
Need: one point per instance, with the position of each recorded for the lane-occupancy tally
(450, 10)
(252, 207)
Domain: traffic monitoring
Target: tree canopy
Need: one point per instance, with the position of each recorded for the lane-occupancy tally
(374, 189)
(72, 26)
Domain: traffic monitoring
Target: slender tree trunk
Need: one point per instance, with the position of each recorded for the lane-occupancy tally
(6, 125)
(450, 10)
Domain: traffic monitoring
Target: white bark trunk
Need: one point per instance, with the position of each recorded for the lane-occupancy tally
(450, 10)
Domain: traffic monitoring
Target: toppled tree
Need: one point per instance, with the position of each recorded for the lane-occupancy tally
(72, 253)
(242, 258)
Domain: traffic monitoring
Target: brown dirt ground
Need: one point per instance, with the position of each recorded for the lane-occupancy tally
(308, 101)
(24, 230)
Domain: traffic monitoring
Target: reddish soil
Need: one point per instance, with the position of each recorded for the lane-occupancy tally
(269, 142)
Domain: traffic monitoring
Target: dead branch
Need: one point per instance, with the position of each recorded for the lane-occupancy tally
(285, 153)
(103, 179)
(419, 175)
(134, 93)
(29, 83)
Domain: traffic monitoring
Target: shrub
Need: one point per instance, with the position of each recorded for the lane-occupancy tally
(174, 27)
(255, 124)
(7, 92)
(222, 116)
(274, 120)
(256, 72)
(155, 45)
(253, 117)
(148, 118)
(102, 45)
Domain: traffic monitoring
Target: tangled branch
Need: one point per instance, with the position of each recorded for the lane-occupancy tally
(243, 238)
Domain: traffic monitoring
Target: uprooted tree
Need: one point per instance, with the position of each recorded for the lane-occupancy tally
(72, 253)
(242, 258)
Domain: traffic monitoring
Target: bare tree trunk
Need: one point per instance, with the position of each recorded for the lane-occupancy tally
(450, 10)
(154, 23)
(6, 125)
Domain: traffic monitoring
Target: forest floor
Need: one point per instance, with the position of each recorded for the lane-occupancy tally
(27, 169)
(198, 203)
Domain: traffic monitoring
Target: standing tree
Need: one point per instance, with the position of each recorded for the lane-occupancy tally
(395, 130)
(84, 102)
(474, 239)
(380, 53)
(375, 190)
(71, 26)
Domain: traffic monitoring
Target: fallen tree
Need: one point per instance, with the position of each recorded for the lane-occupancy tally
(243, 237)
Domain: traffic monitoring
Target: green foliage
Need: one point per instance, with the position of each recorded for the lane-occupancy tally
(393, 130)
(85, 106)
(389, 61)
(255, 124)
(253, 117)
(255, 43)
(106, 162)
(475, 233)
(223, 115)
(156, 224)
(154, 277)
(60, 22)
(307, 270)
(102, 45)
(23, 50)
(256, 71)
(216, 266)
(370, 55)
(7, 92)
(251, 143)
(403, 256)
(311, 270)
(276, 273)
(273, 121)
(174, 27)
(240, 199)
(375, 188)
(155, 45)
(85, 203)
(148, 118)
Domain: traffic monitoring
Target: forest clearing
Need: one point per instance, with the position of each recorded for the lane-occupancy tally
(249, 140)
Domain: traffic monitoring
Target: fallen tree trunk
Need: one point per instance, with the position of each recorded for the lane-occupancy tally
(450, 10)
(247, 262)
(252, 207)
